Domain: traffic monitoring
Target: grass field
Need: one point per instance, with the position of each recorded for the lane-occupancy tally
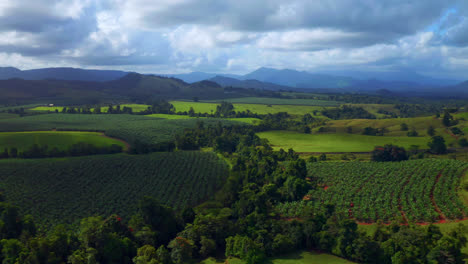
(336, 142)
(166, 116)
(392, 125)
(303, 257)
(130, 128)
(68, 189)
(61, 140)
(255, 108)
(278, 101)
(135, 107)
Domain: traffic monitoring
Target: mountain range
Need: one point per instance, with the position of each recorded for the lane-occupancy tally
(397, 83)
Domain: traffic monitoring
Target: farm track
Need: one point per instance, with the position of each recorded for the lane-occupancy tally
(441, 215)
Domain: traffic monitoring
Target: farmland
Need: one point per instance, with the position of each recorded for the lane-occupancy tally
(411, 191)
(171, 117)
(135, 107)
(278, 101)
(336, 142)
(66, 190)
(304, 257)
(130, 128)
(54, 139)
(261, 109)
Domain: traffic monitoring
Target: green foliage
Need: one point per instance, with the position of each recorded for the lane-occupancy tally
(389, 153)
(404, 127)
(347, 112)
(437, 145)
(373, 191)
(70, 189)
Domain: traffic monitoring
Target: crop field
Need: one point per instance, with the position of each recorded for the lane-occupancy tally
(7, 116)
(278, 101)
(54, 139)
(262, 109)
(392, 125)
(66, 190)
(243, 120)
(135, 107)
(130, 128)
(412, 191)
(336, 142)
(304, 257)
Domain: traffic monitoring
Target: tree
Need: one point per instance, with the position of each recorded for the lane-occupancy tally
(306, 130)
(412, 133)
(181, 250)
(191, 112)
(431, 131)
(389, 153)
(463, 142)
(437, 145)
(208, 246)
(323, 157)
(404, 127)
(447, 120)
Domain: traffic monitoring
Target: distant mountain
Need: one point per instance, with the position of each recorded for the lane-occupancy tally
(300, 79)
(133, 86)
(200, 76)
(406, 75)
(255, 84)
(70, 74)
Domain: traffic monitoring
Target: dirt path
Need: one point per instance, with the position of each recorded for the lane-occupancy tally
(127, 145)
(441, 215)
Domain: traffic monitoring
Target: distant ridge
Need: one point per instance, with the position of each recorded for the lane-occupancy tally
(69, 74)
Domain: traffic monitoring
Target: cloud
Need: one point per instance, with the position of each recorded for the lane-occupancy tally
(429, 36)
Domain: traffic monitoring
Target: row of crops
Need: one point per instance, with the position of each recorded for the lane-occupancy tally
(130, 128)
(66, 190)
(411, 191)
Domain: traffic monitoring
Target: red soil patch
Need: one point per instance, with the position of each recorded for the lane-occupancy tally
(326, 187)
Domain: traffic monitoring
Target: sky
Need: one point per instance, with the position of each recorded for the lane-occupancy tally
(237, 36)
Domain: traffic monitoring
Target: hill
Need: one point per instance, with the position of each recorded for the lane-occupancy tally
(132, 86)
(255, 84)
(70, 74)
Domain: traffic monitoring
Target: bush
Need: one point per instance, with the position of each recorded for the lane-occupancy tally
(389, 153)
(437, 145)
(413, 133)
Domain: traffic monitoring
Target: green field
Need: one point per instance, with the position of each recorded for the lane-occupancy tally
(303, 257)
(415, 191)
(68, 189)
(130, 128)
(135, 107)
(392, 125)
(8, 116)
(278, 101)
(261, 109)
(54, 139)
(166, 116)
(336, 142)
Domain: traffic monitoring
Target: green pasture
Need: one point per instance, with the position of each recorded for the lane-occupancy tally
(262, 109)
(278, 101)
(336, 142)
(304, 257)
(54, 139)
(177, 117)
(7, 116)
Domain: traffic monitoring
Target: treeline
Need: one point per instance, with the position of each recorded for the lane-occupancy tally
(240, 221)
(44, 151)
(347, 112)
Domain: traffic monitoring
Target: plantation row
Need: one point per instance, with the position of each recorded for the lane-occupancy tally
(411, 191)
(131, 128)
(66, 190)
